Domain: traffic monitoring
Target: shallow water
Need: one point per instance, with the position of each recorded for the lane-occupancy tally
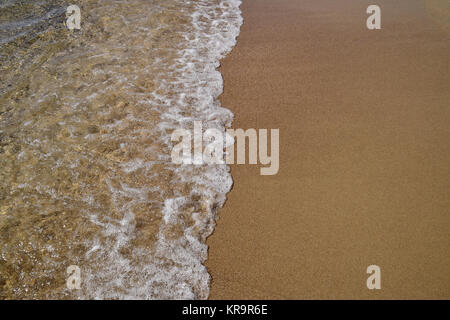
(85, 124)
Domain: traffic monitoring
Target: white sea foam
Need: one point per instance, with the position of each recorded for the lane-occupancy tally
(217, 36)
(174, 268)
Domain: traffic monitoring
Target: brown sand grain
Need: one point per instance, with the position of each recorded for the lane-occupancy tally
(364, 176)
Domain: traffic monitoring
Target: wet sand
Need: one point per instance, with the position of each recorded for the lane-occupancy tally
(364, 154)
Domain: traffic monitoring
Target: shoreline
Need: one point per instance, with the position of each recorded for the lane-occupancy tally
(364, 152)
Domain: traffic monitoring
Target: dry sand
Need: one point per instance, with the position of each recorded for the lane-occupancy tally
(364, 178)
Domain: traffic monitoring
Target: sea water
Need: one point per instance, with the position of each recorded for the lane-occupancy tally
(86, 116)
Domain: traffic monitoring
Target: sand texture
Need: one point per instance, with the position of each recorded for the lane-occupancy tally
(364, 178)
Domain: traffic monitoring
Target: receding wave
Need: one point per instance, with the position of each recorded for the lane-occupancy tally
(86, 177)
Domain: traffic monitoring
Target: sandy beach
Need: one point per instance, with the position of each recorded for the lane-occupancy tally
(364, 153)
